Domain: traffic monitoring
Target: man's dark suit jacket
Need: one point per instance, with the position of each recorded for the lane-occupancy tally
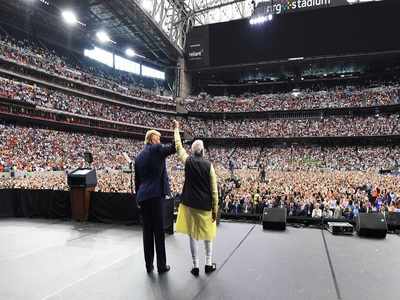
(151, 178)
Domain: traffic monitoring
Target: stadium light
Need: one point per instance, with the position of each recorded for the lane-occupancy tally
(130, 52)
(261, 19)
(103, 37)
(295, 58)
(69, 17)
(147, 5)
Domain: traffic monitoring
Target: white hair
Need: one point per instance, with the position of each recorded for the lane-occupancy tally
(198, 147)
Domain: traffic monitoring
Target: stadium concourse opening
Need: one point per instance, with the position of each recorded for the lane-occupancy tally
(297, 105)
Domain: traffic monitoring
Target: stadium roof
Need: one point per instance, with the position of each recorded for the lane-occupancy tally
(126, 22)
(155, 29)
(215, 11)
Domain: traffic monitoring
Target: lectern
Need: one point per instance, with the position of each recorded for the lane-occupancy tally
(81, 182)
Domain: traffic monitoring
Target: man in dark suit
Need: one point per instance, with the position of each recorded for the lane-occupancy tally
(151, 186)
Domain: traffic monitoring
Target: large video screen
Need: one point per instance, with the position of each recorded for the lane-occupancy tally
(341, 30)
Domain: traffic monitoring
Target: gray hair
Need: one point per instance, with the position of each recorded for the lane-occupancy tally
(198, 147)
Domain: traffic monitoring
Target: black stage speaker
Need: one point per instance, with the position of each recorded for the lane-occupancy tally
(371, 225)
(393, 221)
(274, 218)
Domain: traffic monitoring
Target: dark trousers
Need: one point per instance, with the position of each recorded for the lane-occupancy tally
(153, 231)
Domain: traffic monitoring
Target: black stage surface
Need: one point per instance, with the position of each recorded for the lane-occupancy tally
(42, 259)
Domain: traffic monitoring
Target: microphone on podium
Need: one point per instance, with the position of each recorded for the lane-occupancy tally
(130, 162)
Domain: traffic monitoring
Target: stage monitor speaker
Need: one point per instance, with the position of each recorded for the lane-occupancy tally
(393, 221)
(371, 225)
(274, 218)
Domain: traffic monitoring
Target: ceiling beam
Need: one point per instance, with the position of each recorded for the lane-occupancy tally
(206, 9)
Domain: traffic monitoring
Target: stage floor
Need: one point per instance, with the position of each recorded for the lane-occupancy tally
(42, 259)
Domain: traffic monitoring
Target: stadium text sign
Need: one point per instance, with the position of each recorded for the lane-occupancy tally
(287, 6)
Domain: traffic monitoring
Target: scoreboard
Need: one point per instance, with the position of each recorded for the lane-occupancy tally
(344, 29)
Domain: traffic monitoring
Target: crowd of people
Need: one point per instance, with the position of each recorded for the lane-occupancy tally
(330, 126)
(34, 149)
(314, 181)
(379, 125)
(30, 53)
(338, 97)
(49, 98)
(308, 180)
(306, 158)
(332, 194)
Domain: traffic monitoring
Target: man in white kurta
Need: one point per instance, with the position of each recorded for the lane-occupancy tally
(198, 210)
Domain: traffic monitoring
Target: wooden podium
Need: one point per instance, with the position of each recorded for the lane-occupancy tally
(80, 203)
(81, 182)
